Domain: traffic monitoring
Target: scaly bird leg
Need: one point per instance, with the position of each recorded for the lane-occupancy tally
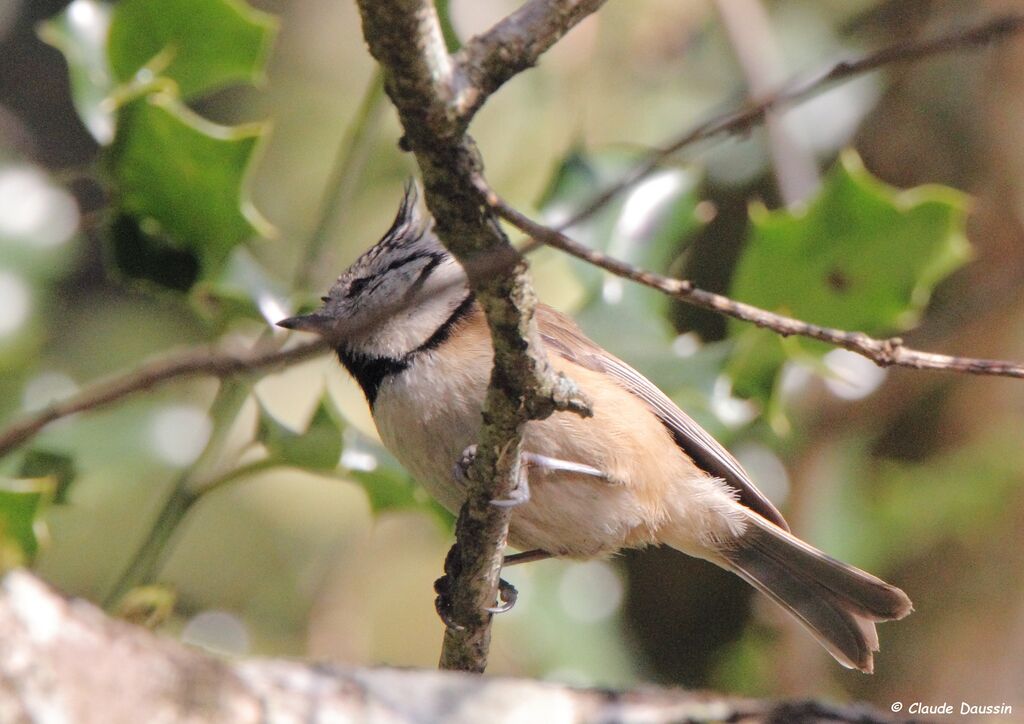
(521, 493)
(516, 559)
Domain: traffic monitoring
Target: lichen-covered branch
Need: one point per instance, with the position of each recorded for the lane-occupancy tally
(487, 61)
(421, 80)
(64, 660)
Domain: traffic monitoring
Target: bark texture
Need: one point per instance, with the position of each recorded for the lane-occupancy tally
(64, 660)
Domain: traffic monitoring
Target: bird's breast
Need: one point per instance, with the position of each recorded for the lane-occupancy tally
(429, 413)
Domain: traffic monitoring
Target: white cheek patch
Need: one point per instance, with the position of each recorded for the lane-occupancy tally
(420, 309)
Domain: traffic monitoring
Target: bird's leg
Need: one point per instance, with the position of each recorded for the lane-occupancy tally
(554, 465)
(521, 493)
(526, 557)
(517, 496)
(507, 593)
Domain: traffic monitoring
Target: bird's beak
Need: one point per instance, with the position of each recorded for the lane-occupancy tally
(314, 322)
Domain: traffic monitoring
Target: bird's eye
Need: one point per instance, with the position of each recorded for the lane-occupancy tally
(325, 299)
(357, 286)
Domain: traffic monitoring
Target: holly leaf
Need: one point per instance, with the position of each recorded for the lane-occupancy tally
(58, 467)
(388, 486)
(183, 177)
(201, 45)
(80, 33)
(861, 256)
(317, 448)
(21, 499)
(148, 258)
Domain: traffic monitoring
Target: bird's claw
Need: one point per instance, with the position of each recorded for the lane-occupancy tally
(519, 495)
(507, 595)
(461, 468)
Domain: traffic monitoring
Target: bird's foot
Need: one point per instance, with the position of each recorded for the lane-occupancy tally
(507, 593)
(517, 496)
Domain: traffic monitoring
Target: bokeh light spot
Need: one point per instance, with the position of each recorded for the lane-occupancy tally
(217, 631)
(590, 592)
(15, 302)
(178, 434)
(47, 388)
(855, 377)
(34, 211)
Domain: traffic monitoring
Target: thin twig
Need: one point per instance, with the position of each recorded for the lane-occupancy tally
(744, 118)
(883, 352)
(487, 61)
(193, 363)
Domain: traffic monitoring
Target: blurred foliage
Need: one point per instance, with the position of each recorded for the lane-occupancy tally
(861, 257)
(312, 534)
(318, 448)
(181, 176)
(648, 226)
(81, 35)
(200, 45)
(21, 500)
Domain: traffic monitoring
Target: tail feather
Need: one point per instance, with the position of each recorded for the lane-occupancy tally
(837, 603)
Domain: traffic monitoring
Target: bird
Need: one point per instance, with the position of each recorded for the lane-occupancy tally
(406, 325)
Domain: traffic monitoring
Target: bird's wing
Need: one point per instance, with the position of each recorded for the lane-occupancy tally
(561, 335)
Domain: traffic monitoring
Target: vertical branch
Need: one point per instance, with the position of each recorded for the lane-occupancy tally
(424, 83)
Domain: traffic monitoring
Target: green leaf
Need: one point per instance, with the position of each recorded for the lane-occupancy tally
(20, 502)
(80, 32)
(183, 176)
(862, 256)
(387, 484)
(318, 448)
(57, 466)
(201, 45)
(147, 258)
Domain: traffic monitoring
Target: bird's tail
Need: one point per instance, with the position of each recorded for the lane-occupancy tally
(837, 603)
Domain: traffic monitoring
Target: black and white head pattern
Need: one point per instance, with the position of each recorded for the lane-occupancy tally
(395, 298)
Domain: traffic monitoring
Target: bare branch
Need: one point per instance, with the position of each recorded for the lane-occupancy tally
(193, 363)
(742, 119)
(405, 37)
(883, 352)
(487, 61)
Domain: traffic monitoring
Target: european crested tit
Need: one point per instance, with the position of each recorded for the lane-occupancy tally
(639, 472)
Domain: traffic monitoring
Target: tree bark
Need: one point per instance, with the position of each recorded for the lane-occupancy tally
(64, 660)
